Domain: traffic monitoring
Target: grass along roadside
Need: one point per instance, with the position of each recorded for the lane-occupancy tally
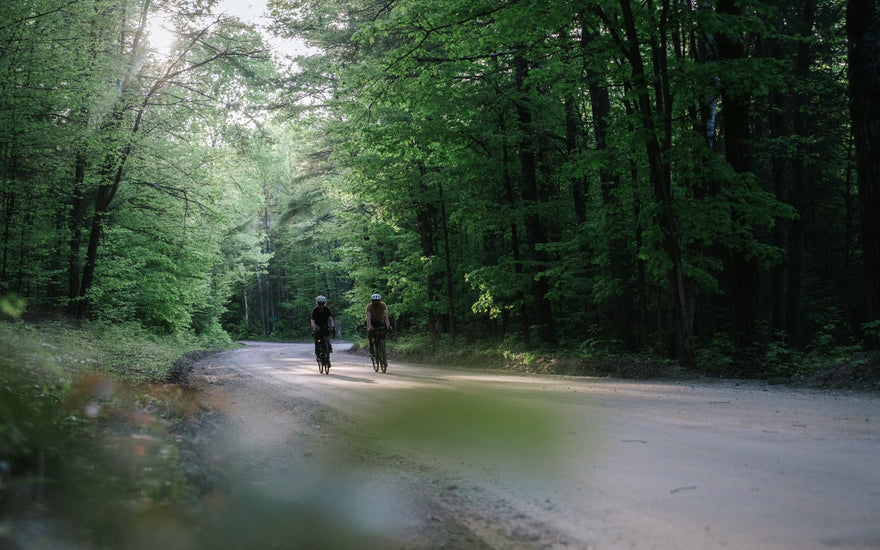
(833, 368)
(90, 433)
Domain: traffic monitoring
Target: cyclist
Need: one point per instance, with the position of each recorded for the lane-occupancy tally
(377, 317)
(322, 322)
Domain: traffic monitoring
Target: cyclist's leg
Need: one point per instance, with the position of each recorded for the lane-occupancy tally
(382, 351)
(372, 330)
(324, 331)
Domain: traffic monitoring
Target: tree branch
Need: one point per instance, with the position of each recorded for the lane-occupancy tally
(37, 16)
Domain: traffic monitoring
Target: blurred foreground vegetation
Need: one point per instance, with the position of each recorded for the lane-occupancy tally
(87, 432)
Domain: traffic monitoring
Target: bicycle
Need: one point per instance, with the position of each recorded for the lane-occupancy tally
(378, 352)
(322, 352)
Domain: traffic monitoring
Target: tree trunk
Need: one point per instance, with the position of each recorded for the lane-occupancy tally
(782, 190)
(9, 207)
(579, 183)
(535, 231)
(105, 196)
(426, 214)
(622, 309)
(660, 177)
(514, 240)
(77, 214)
(623, 316)
(111, 173)
(447, 254)
(801, 180)
(247, 311)
(705, 117)
(742, 273)
(863, 30)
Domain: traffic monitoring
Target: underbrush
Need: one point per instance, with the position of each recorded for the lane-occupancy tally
(774, 360)
(511, 355)
(124, 352)
(87, 432)
(838, 367)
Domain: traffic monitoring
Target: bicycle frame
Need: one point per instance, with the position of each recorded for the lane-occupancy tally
(322, 353)
(379, 356)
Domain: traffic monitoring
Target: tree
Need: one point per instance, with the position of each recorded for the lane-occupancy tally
(139, 91)
(606, 176)
(863, 30)
(128, 143)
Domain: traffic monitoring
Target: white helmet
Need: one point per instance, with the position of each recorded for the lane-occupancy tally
(375, 297)
(321, 299)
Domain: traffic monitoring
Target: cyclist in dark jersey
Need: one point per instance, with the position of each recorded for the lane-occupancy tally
(323, 323)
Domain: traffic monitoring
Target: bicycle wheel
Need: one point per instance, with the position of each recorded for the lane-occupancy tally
(381, 356)
(373, 357)
(325, 356)
(322, 356)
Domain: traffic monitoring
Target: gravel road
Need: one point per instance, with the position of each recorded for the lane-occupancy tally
(430, 457)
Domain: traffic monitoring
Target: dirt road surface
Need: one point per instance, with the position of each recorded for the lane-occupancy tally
(429, 457)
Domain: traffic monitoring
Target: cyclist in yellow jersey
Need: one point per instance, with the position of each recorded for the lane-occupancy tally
(377, 316)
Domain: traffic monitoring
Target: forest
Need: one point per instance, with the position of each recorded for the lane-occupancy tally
(694, 181)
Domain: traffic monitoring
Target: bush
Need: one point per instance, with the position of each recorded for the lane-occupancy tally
(85, 429)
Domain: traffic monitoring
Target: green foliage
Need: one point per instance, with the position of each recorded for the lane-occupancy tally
(781, 360)
(12, 306)
(459, 158)
(872, 329)
(133, 148)
(84, 431)
(426, 146)
(716, 358)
